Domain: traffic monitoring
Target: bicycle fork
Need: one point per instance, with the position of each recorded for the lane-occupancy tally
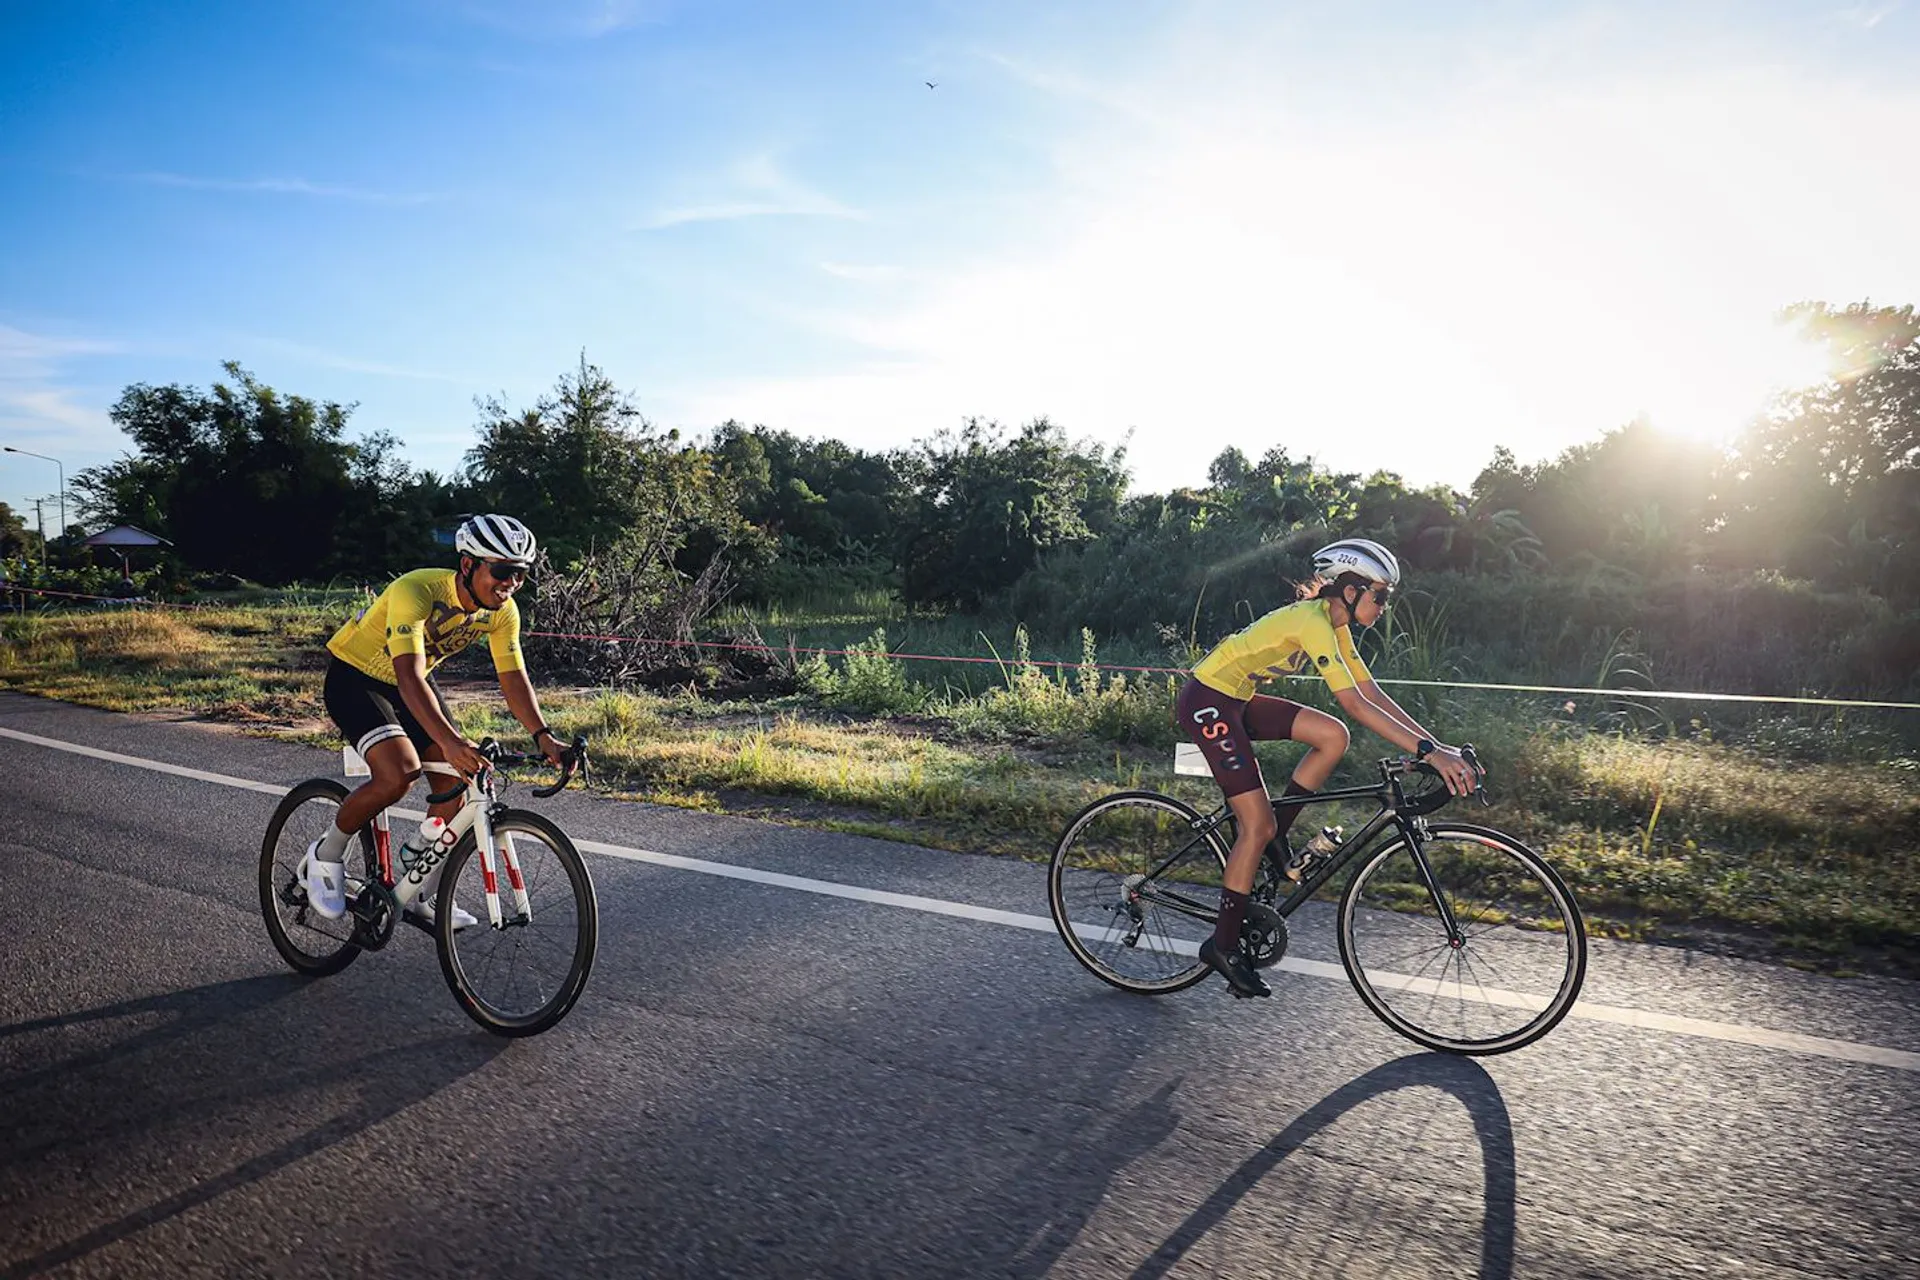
(489, 874)
(1417, 847)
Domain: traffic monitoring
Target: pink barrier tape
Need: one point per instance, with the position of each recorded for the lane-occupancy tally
(1056, 663)
(11, 587)
(1063, 664)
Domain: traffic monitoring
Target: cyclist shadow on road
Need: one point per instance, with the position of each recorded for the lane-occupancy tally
(192, 1011)
(1464, 1078)
(222, 1055)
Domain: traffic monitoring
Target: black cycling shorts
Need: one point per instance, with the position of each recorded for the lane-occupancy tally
(370, 711)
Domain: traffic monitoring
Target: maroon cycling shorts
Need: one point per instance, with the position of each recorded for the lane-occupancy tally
(1225, 730)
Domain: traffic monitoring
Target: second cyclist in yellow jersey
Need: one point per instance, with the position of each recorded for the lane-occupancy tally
(1290, 640)
(1220, 709)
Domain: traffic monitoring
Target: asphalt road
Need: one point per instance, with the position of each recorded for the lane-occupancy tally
(768, 1080)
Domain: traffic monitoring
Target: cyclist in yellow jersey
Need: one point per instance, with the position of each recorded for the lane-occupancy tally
(1219, 709)
(379, 689)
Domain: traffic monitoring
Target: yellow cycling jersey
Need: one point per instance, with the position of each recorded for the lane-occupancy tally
(1274, 645)
(420, 613)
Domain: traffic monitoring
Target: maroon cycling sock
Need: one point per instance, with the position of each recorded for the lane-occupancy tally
(1284, 814)
(1233, 910)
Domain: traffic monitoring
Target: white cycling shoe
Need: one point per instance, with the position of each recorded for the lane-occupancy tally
(423, 908)
(326, 883)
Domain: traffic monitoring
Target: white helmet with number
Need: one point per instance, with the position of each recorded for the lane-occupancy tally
(496, 538)
(1357, 555)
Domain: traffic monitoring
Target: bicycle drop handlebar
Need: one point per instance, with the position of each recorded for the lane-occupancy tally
(573, 759)
(1411, 764)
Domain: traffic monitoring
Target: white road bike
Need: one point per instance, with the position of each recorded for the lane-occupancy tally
(519, 968)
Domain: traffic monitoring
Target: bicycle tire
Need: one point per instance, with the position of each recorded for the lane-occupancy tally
(1524, 941)
(1089, 874)
(307, 941)
(470, 958)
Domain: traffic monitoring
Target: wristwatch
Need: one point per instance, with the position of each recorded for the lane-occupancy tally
(1423, 748)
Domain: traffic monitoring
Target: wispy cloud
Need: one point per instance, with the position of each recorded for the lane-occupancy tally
(1868, 15)
(874, 273)
(279, 186)
(21, 351)
(44, 410)
(564, 19)
(352, 364)
(756, 189)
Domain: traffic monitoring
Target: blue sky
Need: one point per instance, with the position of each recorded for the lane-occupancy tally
(1385, 235)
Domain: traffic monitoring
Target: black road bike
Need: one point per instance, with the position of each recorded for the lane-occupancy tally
(1457, 936)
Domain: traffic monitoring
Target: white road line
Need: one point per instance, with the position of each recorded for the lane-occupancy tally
(1760, 1037)
(138, 762)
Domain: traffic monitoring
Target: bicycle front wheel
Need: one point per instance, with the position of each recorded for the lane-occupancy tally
(523, 977)
(1508, 972)
(305, 939)
(1134, 887)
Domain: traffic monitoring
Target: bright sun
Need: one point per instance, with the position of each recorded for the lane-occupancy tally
(1711, 393)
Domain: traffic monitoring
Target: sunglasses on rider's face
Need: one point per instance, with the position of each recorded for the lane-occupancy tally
(1382, 596)
(504, 572)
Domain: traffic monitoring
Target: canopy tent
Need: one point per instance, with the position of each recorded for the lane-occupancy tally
(125, 535)
(121, 538)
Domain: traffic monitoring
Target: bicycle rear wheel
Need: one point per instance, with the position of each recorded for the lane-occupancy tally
(304, 938)
(522, 978)
(1134, 889)
(1512, 972)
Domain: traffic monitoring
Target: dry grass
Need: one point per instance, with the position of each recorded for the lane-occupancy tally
(1655, 836)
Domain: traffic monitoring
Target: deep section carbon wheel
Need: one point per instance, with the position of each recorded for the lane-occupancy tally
(305, 939)
(521, 978)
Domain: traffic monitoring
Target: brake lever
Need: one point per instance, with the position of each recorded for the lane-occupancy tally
(1480, 784)
(576, 762)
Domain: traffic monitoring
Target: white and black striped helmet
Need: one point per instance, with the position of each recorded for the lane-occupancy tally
(1357, 555)
(496, 538)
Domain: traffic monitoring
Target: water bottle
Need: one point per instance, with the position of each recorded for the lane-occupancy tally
(1323, 844)
(414, 851)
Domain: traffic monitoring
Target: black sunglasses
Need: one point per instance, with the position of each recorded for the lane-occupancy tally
(504, 572)
(1382, 596)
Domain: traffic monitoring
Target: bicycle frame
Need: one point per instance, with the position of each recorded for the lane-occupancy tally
(476, 815)
(1392, 813)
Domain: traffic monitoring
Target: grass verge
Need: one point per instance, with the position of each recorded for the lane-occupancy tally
(1814, 861)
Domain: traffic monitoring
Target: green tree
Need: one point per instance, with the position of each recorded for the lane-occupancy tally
(820, 500)
(583, 468)
(1827, 484)
(1639, 498)
(13, 532)
(241, 479)
(984, 506)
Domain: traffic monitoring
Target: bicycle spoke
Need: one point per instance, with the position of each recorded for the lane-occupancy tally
(307, 941)
(1132, 867)
(1519, 956)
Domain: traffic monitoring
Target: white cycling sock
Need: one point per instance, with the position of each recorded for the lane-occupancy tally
(333, 845)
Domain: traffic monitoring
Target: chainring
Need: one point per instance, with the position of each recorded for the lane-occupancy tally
(375, 912)
(1263, 935)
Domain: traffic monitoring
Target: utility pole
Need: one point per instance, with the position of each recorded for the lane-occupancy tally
(41, 520)
(7, 448)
